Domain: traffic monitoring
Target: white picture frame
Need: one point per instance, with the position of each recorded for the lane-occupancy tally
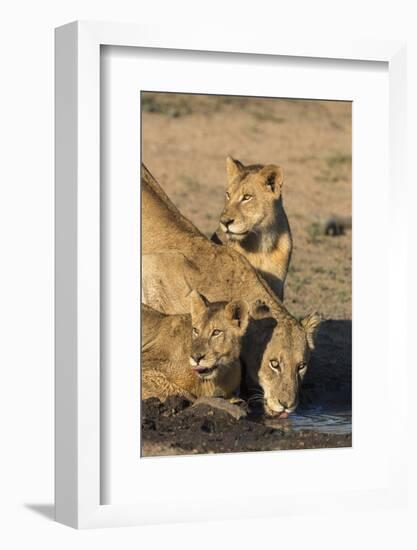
(78, 321)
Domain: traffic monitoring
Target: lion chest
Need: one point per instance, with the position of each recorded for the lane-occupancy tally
(274, 261)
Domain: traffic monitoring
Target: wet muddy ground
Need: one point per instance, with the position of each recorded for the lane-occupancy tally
(323, 417)
(179, 427)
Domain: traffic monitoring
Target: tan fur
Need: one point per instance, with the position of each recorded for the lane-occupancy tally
(282, 373)
(254, 222)
(184, 355)
(178, 258)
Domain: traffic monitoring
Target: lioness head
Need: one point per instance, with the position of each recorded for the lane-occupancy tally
(284, 362)
(217, 331)
(251, 197)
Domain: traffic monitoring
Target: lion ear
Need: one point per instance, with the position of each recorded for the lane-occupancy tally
(233, 167)
(199, 303)
(272, 177)
(310, 324)
(260, 310)
(237, 313)
(263, 314)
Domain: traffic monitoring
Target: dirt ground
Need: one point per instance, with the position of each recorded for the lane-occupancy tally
(177, 427)
(185, 141)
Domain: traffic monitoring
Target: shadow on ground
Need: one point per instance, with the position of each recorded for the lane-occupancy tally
(45, 510)
(328, 382)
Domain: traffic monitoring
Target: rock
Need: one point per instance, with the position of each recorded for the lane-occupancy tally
(223, 405)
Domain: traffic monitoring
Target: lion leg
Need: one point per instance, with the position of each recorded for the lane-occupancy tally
(156, 384)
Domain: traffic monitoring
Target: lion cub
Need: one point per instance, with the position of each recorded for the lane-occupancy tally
(193, 355)
(253, 221)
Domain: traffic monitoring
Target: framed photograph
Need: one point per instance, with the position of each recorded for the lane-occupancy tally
(284, 395)
(225, 208)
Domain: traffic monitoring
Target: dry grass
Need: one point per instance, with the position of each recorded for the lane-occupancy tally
(185, 140)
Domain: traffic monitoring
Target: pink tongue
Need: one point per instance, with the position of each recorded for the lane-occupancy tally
(283, 415)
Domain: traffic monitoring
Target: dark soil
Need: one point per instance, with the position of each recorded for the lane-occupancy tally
(177, 427)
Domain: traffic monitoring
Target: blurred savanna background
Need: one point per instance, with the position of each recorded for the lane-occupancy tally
(185, 141)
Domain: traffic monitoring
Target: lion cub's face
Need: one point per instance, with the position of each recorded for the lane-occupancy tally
(285, 362)
(217, 331)
(251, 198)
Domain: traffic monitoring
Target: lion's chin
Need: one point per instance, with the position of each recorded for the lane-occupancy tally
(206, 373)
(277, 414)
(277, 411)
(237, 236)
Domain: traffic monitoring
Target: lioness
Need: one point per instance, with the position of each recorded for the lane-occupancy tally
(284, 360)
(253, 221)
(193, 355)
(177, 258)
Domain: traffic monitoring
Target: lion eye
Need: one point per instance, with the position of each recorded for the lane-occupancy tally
(227, 196)
(274, 364)
(246, 198)
(302, 366)
(195, 331)
(216, 332)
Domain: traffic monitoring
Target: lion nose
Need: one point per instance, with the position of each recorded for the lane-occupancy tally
(198, 357)
(284, 404)
(226, 221)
